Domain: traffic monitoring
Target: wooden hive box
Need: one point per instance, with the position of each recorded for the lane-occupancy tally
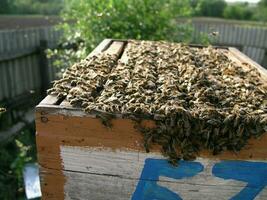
(80, 158)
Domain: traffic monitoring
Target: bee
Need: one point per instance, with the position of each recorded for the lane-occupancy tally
(2, 110)
(105, 119)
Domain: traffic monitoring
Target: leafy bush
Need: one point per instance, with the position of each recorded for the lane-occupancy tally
(138, 19)
(260, 12)
(209, 8)
(5, 6)
(92, 21)
(239, 11)
(47, 7)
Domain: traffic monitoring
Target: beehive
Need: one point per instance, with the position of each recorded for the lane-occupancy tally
(80, 158)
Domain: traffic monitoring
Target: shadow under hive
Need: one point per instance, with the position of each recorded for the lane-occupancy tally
(155, 96)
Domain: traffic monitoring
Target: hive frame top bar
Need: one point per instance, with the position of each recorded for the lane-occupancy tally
(52, 105)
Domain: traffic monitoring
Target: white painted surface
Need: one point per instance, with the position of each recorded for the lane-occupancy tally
(97, 173)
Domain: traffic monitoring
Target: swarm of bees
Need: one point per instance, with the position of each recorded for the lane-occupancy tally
(198, 97)
(82, 82)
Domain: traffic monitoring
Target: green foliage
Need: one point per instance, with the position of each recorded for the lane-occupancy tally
(261, 11)
(5, 6)
(263, 3)
(239, 11)
(209, 8)
(137, 19)
(13, 156)
(121, 19)
(22, 158)
(46, 7)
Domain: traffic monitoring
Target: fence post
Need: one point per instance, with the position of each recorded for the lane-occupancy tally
(44, 71)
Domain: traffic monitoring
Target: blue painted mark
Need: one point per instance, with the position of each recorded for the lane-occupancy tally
(253, 173)
(148, 189)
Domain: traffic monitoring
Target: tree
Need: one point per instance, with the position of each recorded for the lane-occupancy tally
(263, 3)
(30, 6)
(261, 11)
(210, 8)
(5, 6)
(239, 11)
(129, 19)
(137, 19)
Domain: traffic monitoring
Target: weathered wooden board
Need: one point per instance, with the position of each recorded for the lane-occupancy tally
(100, 173)
(85, 149)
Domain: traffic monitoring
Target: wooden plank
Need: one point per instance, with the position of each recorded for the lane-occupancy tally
(264, 38)
(16, 78)
(5, 91)
(83, 152)
(247, 36)
(222, 35)
(106, 162)
(19, 74)
(29, 73)
(123, 163)
(101, 47)
(127, 168)
(254, 33)
(11, 79)
(49, 100)
(2, 82)
(36, 72)
(1, 43)
(43, 67)
(66, 104)
(115, 48)
(80, 186)
(89, 132)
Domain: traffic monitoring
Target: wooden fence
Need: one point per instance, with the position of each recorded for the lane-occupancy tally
(251, 39)
(20, 65)
(23, 67)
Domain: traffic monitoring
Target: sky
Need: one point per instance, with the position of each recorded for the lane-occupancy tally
(250, 1)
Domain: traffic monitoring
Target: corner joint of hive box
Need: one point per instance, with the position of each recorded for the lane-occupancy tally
(50, 102)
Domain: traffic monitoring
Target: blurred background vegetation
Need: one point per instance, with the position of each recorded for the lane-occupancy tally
(14, 154)
(40, 7)
(208, 8)
(85, 24)
(142, 19)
